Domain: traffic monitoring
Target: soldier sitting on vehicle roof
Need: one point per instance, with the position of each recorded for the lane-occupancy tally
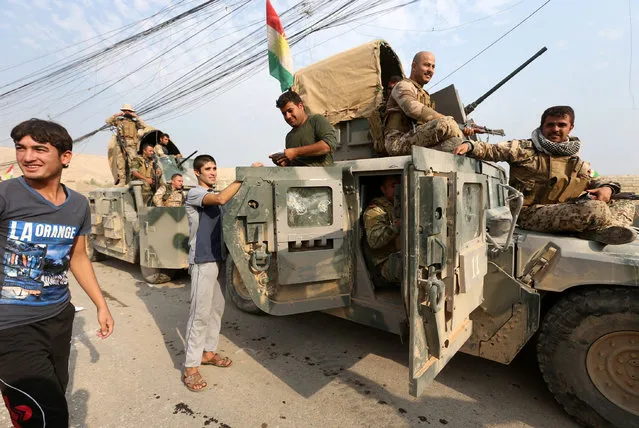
(312, 140)
(170, 194)
(560, 194)
(145, 168)
(411, 118)
(383, 231)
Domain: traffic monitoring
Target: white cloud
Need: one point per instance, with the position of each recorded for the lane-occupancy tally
(30, 42)
(487, 7)
(611, 33)
(42, 4)
(453, 40)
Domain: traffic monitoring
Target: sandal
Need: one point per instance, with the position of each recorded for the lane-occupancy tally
(218, 361)
(194, 382)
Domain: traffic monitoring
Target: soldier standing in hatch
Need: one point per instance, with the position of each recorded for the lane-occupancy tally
(170, 194)
(145, 168)
(411, 118)
(125, 146)
(312, 140)
(553, 179)
(383, 231)
(161, 149)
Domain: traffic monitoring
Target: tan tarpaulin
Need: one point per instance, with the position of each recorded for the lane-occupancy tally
(345, 86)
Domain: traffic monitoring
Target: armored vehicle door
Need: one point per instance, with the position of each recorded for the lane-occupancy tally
(445, 259)
(286, 232)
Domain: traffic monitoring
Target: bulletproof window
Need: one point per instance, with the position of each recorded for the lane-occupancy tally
(309, 206)
(471, 209)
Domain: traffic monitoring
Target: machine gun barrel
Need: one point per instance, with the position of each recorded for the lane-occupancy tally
(185, 159)
(472, 106)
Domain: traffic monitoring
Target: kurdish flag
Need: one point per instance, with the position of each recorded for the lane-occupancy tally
(280, 61)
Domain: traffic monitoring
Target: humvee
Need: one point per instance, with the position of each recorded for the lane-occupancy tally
(472, 281)
(125, 228)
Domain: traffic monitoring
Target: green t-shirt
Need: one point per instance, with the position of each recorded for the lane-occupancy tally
(315, 128)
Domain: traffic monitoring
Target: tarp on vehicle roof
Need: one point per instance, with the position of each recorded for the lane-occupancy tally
(348, 85)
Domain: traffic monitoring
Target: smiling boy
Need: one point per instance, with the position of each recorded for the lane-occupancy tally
(42, 235)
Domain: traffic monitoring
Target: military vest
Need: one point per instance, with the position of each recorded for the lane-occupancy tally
(545, 179)
(396, 119)
(169, 192)
(127, 128)
(381, 254)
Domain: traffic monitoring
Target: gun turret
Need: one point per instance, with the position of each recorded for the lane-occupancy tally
(472, 106)
(185, 159)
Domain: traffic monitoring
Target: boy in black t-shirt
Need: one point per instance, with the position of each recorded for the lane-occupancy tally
(42, 235)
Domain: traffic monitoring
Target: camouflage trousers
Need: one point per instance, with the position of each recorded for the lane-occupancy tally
(578, 216)
(391, 268)
(440, 134)
(117, 161)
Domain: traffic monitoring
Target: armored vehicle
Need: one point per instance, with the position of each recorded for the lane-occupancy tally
(471, 281)
(124, 227)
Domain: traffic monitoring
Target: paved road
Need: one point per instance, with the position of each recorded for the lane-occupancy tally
(309, 370)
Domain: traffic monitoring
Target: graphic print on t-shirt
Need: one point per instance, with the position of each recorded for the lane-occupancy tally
(36, 261)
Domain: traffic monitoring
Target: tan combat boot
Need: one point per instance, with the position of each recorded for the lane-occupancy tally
(611, 235)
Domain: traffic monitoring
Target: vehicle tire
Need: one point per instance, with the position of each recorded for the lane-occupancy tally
(588, 353)
(157, 275)
(94, 255)
(237, 292)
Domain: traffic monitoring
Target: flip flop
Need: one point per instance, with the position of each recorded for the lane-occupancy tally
(194, 379)
(218, 362)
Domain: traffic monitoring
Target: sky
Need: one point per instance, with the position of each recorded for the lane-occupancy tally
(588, 66)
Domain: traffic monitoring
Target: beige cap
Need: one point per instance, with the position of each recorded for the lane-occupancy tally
(127, 107)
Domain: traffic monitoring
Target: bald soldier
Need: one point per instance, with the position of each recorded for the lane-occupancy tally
(126, 123)
(560, 194)
(383, 231)
(411, 118)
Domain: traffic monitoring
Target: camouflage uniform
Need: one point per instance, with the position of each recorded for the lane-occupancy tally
(551, 186)
(382, 235)
(148, 169)
(411, 120)
(127, 129)
(166, 196)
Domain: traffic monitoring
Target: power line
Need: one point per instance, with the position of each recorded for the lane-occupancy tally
(491, 45)
(441, 30)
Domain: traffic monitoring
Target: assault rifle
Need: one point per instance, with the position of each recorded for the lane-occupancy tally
(481, 129)
(468, 109)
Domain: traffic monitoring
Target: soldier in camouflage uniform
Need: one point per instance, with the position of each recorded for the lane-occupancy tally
(146, 169)
(560, 194)
(170, 194)
(411, 118)
(383, 231)
(127, 123)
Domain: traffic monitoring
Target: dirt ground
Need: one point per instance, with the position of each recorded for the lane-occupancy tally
(309, 370)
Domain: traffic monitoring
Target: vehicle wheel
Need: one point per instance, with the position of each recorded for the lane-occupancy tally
(588, 352)
(237, 292)
(94, 255)
(156, 275)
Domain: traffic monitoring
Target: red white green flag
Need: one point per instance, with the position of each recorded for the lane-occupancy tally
(280, 60)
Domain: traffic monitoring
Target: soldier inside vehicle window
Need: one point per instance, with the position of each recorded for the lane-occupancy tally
(560, 192)
(312, 140)
(383, 231)
(170, 194)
